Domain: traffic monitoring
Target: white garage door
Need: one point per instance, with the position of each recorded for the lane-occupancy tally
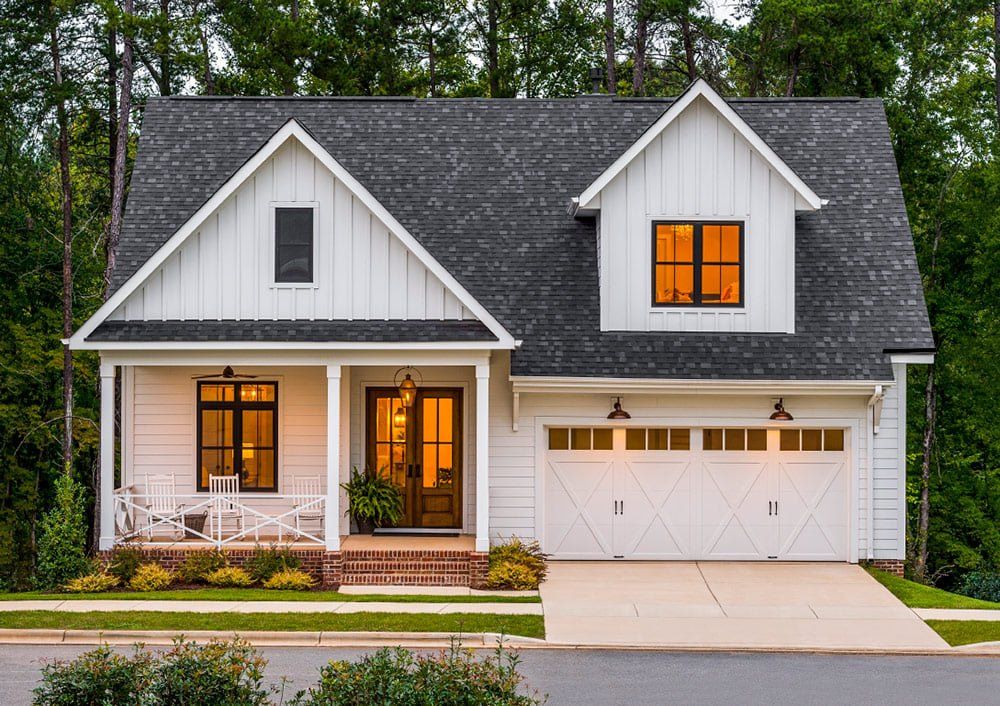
(733, 494)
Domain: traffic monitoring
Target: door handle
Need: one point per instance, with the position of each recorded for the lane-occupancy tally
(622, 506)
(769, 508)
(775, 507)
(616, 507)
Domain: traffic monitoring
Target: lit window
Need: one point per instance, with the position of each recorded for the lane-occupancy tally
(697, 264)
(293, 245)
(237, 433)
(812, 440)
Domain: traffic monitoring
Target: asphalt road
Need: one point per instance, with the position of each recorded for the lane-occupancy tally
(628, 677)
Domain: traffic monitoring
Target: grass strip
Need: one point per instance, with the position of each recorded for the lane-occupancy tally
(966, 632)
(524, 625)
(259, 594)
(917, 595)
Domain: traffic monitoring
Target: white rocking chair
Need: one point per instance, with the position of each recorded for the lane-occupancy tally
(161, 504)
(225, 492)
(305, 490)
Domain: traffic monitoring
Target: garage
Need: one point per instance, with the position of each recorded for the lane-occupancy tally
(729, 493)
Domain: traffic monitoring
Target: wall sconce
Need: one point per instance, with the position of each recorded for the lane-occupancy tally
(618, 412)
(780, 414)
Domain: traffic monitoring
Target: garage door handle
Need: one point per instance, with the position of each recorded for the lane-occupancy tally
(616, 507)
(769, 507)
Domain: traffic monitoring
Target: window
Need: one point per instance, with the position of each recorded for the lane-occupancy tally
(735, 440)
(238, 433)
(658, 439)
(812, 439)
(697, 264)
(293, 245)
(581, 439)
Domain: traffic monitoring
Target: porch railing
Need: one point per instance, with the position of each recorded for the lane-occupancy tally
(137, 515)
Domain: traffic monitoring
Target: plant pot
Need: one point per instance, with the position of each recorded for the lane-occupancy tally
(194, 523)
(365, 525)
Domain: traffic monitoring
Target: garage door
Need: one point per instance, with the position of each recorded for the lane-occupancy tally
(681, 493)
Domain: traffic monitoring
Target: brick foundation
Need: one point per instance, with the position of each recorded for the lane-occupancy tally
(479, 566)
(890, 566)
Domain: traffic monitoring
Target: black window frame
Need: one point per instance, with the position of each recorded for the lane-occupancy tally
(697, 263)
(277, 247)
(237, 406)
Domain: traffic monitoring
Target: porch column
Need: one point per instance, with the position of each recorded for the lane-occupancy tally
(107, 484)
(483, 457)
(331, 522)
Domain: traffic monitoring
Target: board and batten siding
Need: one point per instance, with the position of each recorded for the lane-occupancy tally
(698, 168)
(224, 271)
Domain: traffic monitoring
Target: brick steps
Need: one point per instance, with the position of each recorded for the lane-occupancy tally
(383, 567)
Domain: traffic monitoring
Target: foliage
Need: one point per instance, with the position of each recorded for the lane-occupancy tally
(97, 582)
(516, 565)
(151, 577)
(229, 577)
(918, 595)
(290, 580)
(397, 677)
(62, 547)
(984, 585)
(101, 676)
(198, 565)
(266, 562)
(124, 561)
(373, 497)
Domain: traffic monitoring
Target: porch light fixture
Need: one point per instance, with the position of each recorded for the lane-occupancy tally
(399, 418)
(407, 388)
(779, 414)
(618, 412)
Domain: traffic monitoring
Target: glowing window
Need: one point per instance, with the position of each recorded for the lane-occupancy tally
(697, 264)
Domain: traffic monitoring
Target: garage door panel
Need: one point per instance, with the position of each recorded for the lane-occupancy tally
(656, 517)
(735, 523)
(578, 507)
(813, 506)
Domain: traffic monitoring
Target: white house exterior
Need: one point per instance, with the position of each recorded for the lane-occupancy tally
(528, 263)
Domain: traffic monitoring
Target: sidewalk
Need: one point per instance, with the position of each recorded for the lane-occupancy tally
(109, 606)
(957, 614)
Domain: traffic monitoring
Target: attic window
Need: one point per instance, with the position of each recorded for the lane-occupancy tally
(294, 231)
(697, 264)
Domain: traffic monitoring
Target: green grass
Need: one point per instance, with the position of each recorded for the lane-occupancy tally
(917, 595)
(966, 632)
(259, 594)
(524, 625)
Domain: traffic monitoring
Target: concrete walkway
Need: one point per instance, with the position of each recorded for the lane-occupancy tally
(87, 606)
(957, 614)
(720, 605)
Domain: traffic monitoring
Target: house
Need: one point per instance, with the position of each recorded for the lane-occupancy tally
(637, 329)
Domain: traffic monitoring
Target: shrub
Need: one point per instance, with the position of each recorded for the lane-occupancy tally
(984, 585)
(265, 563)
(516, 562)
(151, 577)
(229, 577)
(394, 676)
(230, 673)
(62, 544)
(97, 677)
(198, 565)
(290, 580)
(373, 500)
(124, 562)
(97, 582)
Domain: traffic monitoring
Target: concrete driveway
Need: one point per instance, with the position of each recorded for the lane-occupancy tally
(719, 605)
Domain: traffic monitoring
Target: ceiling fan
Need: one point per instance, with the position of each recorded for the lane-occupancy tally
(227, 374)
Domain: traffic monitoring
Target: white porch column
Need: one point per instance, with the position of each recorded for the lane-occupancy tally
(483, 457)
(331, 522)
(107, 484)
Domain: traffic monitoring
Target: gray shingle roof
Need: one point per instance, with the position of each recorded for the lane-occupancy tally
(485, 185)
(298, 331)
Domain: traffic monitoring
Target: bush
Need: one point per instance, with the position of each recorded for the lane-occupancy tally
(198, 565)
(265, 563)
(373, 500)
(124, 562)
(151, 577)
(394, 676)
(229, 577)
(516, 565)
(62, 544)
(984, 585)
(290, 580)
(97, 677)
(97, 582)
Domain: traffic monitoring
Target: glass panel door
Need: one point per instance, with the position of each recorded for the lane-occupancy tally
(388, 444)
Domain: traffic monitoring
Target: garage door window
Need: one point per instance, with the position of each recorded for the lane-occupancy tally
(580, 439)
(812, 439)
(658, 439)
(735, 440)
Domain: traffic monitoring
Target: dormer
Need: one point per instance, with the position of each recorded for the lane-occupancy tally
(696, 225)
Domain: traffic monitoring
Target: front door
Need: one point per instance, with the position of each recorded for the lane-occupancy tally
(419, 449)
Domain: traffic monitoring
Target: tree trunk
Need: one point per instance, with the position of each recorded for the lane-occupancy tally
(639, 54)
(492, 47)
(793, 72)
(689, 58)
(121, 155)
(165, 45)
(609, 45)
(923, 521)
(431, 67)
(112, 104)
(996, 56)
(205, 53)
(62, 121)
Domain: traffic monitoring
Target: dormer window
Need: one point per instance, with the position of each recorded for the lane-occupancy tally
(697, 264)
(294, 240)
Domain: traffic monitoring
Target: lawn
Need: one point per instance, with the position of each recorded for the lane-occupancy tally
(524, 625)
(917, 595)
(259, 594)
(966, 632)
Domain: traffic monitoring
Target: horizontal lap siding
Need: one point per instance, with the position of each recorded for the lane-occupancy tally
(889, 472)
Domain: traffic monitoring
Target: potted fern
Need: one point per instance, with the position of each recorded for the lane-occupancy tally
(372, 500)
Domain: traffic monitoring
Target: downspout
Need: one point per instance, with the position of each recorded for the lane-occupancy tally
(873, 414)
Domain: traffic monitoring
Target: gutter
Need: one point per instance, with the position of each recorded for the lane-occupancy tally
(873, 416)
